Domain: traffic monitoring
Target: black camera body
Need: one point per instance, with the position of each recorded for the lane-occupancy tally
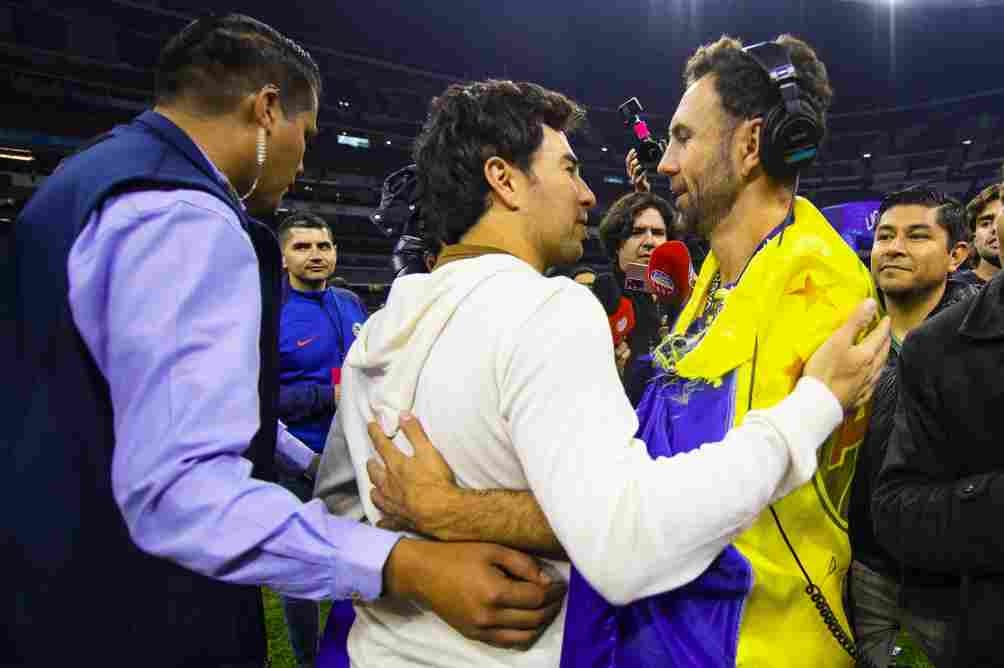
(649, 149)
(400, 215)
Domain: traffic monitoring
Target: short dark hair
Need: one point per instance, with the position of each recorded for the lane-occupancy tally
(618, 223)
(951, 215)
(467, 125)
(214, 61)
(302, 219)
(746, 89)
(975, 207)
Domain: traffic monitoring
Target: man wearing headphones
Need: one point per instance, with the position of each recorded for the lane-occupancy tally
(777, 283)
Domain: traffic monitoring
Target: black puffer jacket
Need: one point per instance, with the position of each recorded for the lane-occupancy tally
(938, 501)
(864, 547)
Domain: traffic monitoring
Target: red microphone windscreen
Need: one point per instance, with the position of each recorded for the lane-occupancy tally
(622, 321)
(670, 276)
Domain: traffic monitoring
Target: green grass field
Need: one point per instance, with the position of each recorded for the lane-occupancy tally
(911, 656)
(279, 651)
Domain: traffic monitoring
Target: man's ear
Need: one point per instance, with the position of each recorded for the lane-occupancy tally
(749, 140)
(266, 107)
(957, 255)
(503, 182)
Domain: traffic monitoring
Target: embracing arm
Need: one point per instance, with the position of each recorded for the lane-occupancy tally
(420, 494)
(608, 502)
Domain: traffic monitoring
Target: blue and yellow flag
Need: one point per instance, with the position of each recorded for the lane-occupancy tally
(750, 607)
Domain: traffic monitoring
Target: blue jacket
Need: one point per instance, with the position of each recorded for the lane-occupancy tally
(316, 330)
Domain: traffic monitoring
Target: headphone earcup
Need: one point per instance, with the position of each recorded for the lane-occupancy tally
(771, 155)
(789, 140)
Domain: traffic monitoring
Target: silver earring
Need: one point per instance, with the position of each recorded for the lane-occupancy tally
(261, 149)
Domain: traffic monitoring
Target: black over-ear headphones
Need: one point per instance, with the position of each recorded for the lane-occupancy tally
(791, 133)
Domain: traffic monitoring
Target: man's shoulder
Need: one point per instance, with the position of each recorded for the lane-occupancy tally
(519, 298)
(345, 295)
(127, 210)
(969, 277)
(944, 325)
(815, 243)
(809, 257)
(568, 295)
(930, 340)
(527, 286)
(150, 201)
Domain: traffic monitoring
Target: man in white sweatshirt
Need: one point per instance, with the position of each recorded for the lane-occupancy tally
(514, 379)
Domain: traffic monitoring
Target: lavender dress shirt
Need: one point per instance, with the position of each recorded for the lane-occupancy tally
(164, 289)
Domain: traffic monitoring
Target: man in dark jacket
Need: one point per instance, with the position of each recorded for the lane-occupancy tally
(940, 491)
(919, 241)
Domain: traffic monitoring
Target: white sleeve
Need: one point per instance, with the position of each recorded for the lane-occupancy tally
(632, 525)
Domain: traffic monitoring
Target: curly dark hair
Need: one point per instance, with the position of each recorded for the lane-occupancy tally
(618, 223)
(214, 61)
(467, 125)
(951, 214)
(745, 88)
(991, 193)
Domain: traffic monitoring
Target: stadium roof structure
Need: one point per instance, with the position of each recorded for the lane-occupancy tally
(952, 4)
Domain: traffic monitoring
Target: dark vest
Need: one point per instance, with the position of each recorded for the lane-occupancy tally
(83, 592)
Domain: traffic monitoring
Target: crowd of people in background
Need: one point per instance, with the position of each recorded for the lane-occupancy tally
(807, 446)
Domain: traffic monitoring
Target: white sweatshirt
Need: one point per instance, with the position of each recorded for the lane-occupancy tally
(513, 377)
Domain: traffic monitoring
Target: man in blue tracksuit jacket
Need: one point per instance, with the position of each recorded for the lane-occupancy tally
(317, 326)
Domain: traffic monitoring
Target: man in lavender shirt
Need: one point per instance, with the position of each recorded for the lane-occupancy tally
(146, 361)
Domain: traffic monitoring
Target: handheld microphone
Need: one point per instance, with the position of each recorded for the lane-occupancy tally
(607, 291)
(670, 275)
(622, 321)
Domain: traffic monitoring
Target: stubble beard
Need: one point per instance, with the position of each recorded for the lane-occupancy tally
(708, 207)
(908, 295)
